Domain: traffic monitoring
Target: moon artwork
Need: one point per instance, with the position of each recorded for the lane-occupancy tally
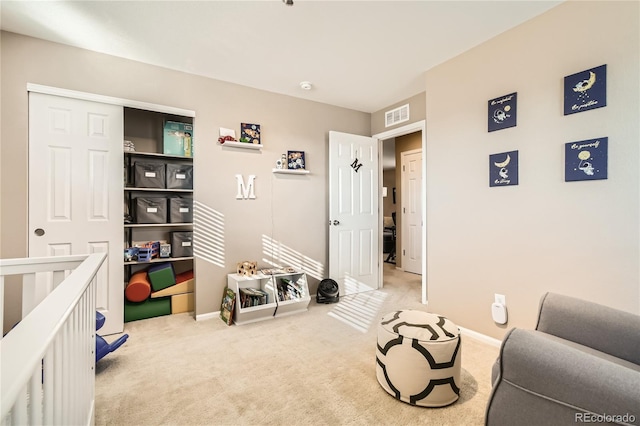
(586, 160)
(585, 90)
(502, 112)
(503, 169)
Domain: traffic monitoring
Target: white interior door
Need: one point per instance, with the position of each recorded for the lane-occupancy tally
(353, 212)
(76, 187)
(412, 211)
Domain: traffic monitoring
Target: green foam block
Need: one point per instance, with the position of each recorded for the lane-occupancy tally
(161, 276)
(148, 309)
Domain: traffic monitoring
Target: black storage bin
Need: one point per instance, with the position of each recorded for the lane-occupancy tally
(150, 210)
(180, 210)
(182, 244)
(179, 176)
(148, 175)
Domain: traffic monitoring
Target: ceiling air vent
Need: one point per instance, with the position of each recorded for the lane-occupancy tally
(397, 115)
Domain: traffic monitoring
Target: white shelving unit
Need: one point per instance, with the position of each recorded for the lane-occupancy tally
(276, 306)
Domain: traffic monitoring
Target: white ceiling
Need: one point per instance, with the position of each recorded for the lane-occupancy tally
(362, 55)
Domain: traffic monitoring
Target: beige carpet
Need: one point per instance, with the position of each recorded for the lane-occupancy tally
(311, 368)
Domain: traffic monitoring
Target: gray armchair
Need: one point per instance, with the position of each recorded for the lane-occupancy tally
(580, 365)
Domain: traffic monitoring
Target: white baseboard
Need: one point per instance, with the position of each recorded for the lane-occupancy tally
(481, 337)
(207, 316)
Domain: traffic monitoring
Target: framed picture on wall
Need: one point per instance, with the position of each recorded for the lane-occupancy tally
(250, 133)
(585, 90)
(586, 160)
(502, 112)
(503, 169)
(295, 160)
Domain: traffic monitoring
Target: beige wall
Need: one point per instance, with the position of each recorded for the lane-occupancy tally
(291, 210)
(416, 113)
(576, 238)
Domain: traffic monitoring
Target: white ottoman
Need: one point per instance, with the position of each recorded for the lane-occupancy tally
(418, 358)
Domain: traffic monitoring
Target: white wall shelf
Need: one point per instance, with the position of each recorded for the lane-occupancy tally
(245, 145)
(292, 171)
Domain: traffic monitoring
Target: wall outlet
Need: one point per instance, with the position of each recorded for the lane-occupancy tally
(501, 299)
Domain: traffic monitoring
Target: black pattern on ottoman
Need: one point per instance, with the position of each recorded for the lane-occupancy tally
(418, 358)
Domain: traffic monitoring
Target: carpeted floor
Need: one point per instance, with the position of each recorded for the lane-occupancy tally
(311, 368)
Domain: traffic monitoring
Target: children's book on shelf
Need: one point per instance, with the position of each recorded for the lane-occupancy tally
(227, 306)
(253, 297)
(288, 290)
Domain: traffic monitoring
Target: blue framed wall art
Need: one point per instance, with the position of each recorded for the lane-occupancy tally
(503, 169)
(502, 112)
(585, 90)
(586, 160)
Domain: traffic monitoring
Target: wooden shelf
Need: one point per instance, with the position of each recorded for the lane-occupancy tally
(244, 145)
(154, 225)
(157, 190)
(160, 260)
(157, 155)
(292, 171)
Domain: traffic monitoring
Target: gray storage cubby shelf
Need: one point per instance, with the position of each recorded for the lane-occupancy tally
(277, 305)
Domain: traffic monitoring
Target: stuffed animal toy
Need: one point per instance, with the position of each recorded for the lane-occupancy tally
(247, 268)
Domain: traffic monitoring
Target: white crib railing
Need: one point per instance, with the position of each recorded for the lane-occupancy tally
(47, 361)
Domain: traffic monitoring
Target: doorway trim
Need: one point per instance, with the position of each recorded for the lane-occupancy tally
(393, 133)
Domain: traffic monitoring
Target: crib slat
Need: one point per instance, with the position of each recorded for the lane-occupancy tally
(58, 375)
(20, 416)
(35, 397)
(48, 385)
(29, 294)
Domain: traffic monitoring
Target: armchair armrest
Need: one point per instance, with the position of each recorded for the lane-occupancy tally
(542, 380)
(606, 329)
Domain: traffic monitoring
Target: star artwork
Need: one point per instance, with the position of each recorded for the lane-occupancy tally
(585, 90)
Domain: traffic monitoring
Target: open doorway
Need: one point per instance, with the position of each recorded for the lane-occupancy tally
(409, 139)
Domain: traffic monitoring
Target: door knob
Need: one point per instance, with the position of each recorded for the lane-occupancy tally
(336, 222)
(39, 232)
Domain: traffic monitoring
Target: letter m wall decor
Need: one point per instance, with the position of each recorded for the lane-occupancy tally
(245, 192)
